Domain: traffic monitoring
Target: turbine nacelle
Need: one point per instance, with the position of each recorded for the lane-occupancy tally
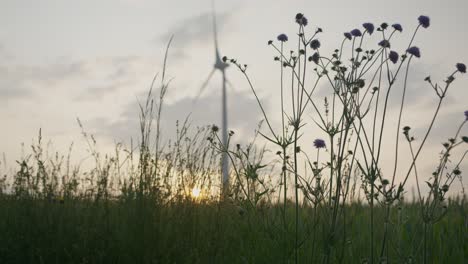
(220, 64)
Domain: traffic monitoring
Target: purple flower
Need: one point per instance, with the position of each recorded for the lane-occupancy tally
(348, 35)
(301, 19)
(424, 21)
(319, 143)
(369, 27)
(356, 32)
(466, 115)
(384, 43)
(282, 37)
(414, 51)
(315, 44)
(397, 27)
(315, 58)
(393, 56)
(461, 67)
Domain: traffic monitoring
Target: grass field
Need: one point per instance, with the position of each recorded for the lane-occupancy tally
(142, 231)
(160, 201)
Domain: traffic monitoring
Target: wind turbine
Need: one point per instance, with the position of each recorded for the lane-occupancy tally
(221, 66)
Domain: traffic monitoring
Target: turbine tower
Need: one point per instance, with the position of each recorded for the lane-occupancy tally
(220, 66)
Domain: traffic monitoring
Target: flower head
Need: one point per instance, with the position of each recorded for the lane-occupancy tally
(301, 19)
(466, 115)
(282, 37)
(348, 35)
(397, 27)
(315, 44)
(319, 143)
(393, 56)
(384, 43)
(369, 27)
(461, 67)
(414, 51)
(424, 21)
(356, 32)
(315, 58)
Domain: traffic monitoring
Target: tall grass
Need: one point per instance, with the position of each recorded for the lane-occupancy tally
(137, 205)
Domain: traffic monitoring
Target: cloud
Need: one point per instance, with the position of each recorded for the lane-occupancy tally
(244, 116)
(25, 81)
(194, 30)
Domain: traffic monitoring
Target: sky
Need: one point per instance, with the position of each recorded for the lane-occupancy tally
(95, 59)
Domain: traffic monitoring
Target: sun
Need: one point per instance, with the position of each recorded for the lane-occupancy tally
(196, 192)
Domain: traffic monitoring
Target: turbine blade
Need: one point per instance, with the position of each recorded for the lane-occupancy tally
(215, 31)
(204, 85)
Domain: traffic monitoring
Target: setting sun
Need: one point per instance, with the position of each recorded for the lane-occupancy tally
(196, 192)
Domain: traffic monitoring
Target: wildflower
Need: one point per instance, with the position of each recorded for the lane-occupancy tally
(445, 188)
(397, 27)
(315, 58)
(301, 19)
(270, 42)
(348, 35)
(315, 44)
(461, 67)
(282, 37)
(369, 27)
(424, 21)
(457, 171)
(384, 43)
(319, 143)
(215, 128)
(414, 51)
(466, 115)
(356, 32)
(406, 130)
(384, 25)
(465, 139)
(360, 83)
(393, 56)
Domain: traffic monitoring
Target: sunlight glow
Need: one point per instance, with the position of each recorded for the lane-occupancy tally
(196, 192)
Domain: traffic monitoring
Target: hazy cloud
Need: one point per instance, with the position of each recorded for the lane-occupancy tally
(194, 30)
(243, 117)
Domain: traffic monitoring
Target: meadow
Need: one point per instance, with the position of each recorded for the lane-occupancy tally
(163, 201)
